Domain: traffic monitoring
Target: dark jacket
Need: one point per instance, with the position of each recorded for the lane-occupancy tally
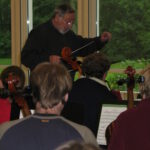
(45, 40)
(87, 97)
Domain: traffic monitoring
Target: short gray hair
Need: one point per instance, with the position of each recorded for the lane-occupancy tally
(62, 9)
(50, 83)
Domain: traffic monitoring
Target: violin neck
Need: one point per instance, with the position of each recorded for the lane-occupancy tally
(130, 99)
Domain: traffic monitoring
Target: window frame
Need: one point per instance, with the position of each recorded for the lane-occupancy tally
(87, 25)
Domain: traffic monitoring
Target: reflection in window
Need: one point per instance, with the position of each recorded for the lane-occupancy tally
(5, 32)
(43, 10)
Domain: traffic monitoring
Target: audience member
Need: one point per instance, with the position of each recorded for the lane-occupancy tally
(46, 41)
(132, 127)
(90, 91)
(45, 129)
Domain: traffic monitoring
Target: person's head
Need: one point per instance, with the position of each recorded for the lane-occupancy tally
(74, 145)
(50, 85)
(63, 18)
(14, 74)
(95, 65)
(145, 86)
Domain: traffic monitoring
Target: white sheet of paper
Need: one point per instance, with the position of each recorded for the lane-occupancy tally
(109, 113)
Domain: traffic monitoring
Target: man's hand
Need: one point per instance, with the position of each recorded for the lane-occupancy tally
(54, 59)
(105, 36)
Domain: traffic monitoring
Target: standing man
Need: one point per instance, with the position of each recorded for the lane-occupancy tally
(46, 129)
(46, 41)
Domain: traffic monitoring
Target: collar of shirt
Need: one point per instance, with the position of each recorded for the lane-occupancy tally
(98, 81)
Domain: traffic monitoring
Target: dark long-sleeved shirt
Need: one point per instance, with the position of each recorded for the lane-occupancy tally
(45, 40)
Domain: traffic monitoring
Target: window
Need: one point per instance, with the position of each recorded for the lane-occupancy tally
(43, 10)
(5, 33)
(129, 23)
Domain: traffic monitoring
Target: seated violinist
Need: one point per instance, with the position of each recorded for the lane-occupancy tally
(13, 79)
(131, 129)
(89, 92)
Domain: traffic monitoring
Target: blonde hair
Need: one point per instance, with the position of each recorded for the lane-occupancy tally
(50, 83)
(145, 86)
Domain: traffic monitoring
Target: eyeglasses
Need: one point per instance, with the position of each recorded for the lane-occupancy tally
(68, 22)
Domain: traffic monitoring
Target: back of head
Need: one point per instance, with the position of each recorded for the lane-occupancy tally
(95, 65)
(145, 86)
(74, 145)
(62, 9)
(50, 83)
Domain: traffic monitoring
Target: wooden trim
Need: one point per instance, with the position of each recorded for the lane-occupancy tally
(83, 17)
(87, 18)
(18, 29)
(92, 18)
(15, 32)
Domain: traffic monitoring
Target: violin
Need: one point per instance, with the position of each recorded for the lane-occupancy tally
(130, 86)
(66, 56)
(130, 81)
(12, 81)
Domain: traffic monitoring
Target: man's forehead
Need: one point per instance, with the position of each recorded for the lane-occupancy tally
(69, 16)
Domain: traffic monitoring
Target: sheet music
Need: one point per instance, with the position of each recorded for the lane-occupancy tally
(108, 114)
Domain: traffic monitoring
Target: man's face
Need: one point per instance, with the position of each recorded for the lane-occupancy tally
(64, 24)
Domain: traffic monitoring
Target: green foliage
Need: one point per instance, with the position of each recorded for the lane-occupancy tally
(5, 36)
(128, 21)
(5, 61)
(5, 44)
(137, 64)
(112, 78)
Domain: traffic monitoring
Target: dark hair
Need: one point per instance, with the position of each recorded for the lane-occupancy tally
(62, 9)
(15, 71)
(95, 65)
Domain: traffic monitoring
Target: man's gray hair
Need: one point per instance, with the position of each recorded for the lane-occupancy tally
(62, 9)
